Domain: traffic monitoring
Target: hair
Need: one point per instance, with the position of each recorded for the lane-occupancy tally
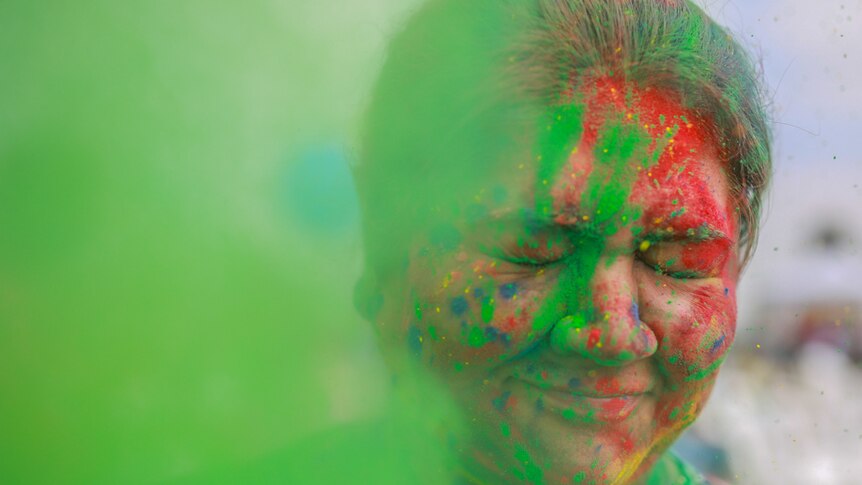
(450, 96)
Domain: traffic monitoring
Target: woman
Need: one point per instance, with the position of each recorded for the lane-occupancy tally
(559, 196)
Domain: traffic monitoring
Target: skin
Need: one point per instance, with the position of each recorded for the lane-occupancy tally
(580, 319)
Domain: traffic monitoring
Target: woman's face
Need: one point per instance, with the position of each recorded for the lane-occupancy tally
(580, 308)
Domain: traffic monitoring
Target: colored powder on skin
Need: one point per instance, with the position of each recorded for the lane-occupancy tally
(488, 310)
(491, 334)
(476, 338)
(717, 344)
(458, 305)
(635, 312)
(618, 148)
(531, 471)
(414, 338)
(500, 402)
(508, 291)
(561, 132)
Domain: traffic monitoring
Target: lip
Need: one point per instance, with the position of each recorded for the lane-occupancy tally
(588, 407)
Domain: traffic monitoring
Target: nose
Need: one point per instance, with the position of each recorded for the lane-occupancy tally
(609, 332)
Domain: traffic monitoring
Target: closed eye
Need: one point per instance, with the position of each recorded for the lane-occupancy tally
(685, 260)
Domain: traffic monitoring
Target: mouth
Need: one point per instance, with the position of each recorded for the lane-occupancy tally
(587, 406)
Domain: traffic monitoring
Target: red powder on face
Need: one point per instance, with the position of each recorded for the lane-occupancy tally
(707, 256)
(594, 338)
(608, 385)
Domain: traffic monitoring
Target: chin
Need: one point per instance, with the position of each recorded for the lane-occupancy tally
(525, 437)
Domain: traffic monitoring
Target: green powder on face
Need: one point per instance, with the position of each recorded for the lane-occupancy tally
(488, 310)
(604, 205)
(560, 134)
(476, 338)
(531, 471)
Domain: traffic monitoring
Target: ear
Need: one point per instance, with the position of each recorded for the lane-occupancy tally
(368, 296)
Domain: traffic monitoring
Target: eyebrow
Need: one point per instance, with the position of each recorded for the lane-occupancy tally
(701, 233)
(530, 219)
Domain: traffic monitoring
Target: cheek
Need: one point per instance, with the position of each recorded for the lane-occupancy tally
(694, 322)
(467, 315)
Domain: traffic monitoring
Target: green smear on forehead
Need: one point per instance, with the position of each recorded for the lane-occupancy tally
(561, 133)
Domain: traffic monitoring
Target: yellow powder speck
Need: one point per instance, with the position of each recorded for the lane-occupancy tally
(586, 218)
(645, 245)
(599, 344)
(758, 346)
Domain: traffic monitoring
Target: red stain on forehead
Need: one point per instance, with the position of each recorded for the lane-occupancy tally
(675, 191)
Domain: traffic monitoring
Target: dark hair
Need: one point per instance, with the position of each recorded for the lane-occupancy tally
(458, 76)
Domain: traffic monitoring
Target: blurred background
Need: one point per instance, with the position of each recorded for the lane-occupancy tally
(179, 240)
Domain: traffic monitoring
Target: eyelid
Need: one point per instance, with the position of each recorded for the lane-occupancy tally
(656, 258)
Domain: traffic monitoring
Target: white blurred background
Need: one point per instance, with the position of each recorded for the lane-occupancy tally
(788, 405)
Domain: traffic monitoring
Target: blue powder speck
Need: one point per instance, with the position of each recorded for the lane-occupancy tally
(635, 311)
(459, 305)
(717, 344)
(500, 402)
(508, 291)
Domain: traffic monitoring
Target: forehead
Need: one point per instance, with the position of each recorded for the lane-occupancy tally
(639, 151)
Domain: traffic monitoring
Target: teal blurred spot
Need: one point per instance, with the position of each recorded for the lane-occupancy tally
(319, 191)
